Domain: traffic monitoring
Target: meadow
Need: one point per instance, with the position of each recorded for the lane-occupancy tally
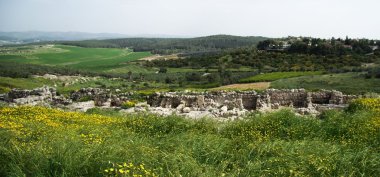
(90, 59)
(352, 83)
(38, 141)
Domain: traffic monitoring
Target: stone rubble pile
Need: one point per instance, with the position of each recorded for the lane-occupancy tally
(233, 104)
(216, 104)
(39, 96)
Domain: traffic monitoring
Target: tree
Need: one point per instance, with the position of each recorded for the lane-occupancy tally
(141, 76)
(162, 70)
(130, 75)
(298, 47)
(223, 73)
(264, 45)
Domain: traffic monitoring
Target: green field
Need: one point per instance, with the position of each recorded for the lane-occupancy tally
(91, 59)
(267, 77)
(38, 141)
(7, 83)
(353, 83)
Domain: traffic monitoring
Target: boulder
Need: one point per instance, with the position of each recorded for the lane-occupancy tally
(186, 110)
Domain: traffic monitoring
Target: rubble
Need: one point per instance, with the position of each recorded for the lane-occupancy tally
(217, 104)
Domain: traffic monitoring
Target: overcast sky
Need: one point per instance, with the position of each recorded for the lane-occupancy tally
(271, 18)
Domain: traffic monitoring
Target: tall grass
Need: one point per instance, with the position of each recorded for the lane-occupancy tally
(46, 142)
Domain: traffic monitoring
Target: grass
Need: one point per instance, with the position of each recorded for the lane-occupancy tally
(352, 83)
(267, 77)
(39, 141)
(7, 83)
(92, 59)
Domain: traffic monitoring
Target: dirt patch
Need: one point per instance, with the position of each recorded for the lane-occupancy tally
(250, 86)
(160, 57)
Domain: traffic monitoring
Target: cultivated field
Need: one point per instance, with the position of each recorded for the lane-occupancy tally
(92, 59)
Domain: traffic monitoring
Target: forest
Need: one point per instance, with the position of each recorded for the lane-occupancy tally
(172, 45)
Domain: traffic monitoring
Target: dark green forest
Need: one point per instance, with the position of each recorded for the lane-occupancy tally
(173, 45)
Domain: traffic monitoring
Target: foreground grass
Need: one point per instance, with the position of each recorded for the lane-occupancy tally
(267, 77)
(352, 83)
(37, 141)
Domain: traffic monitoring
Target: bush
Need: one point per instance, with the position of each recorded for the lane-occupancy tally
(85, 98)
(128, 104)
(372, 104)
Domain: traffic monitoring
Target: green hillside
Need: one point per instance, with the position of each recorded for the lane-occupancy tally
(173, 45)
(93, 59)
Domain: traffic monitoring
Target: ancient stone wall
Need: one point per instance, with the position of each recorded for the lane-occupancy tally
(269, 99)
(217, 104)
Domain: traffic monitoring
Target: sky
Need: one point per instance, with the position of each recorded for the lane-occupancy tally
(270, 18)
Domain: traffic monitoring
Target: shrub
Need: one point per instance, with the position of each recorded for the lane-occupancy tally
(85, 98)
(4, 89)
(128, 104)
(372, 104)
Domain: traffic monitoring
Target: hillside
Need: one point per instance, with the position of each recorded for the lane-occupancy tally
(86, 59)
(173, 45)
(38, 36)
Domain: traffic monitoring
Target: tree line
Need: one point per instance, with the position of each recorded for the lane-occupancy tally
(317, 46)
(270, 61)
(172, 45)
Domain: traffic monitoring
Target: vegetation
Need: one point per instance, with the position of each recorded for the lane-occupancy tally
(173, 45)
(128, 104)
(7, 83)
(372, 104)
(317, 46)
(85, 59)
(351, 83)
(276, 76)
(266, 61)
(39, 141)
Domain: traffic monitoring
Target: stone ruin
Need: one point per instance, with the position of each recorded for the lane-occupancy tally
(39, 96)
(230, 103)
(82, 99)
(216, 104)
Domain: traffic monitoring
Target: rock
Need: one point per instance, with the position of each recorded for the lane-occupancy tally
(224, 109)
(128, 111)
(50, 76)
(31, 97)
(248, 100)
(186, 110)
(82, 106)
(180, 107)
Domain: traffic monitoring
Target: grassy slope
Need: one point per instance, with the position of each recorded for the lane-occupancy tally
(352, 83)
(94, 59)
(7, 83)
(267, 77)
(45, 142)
